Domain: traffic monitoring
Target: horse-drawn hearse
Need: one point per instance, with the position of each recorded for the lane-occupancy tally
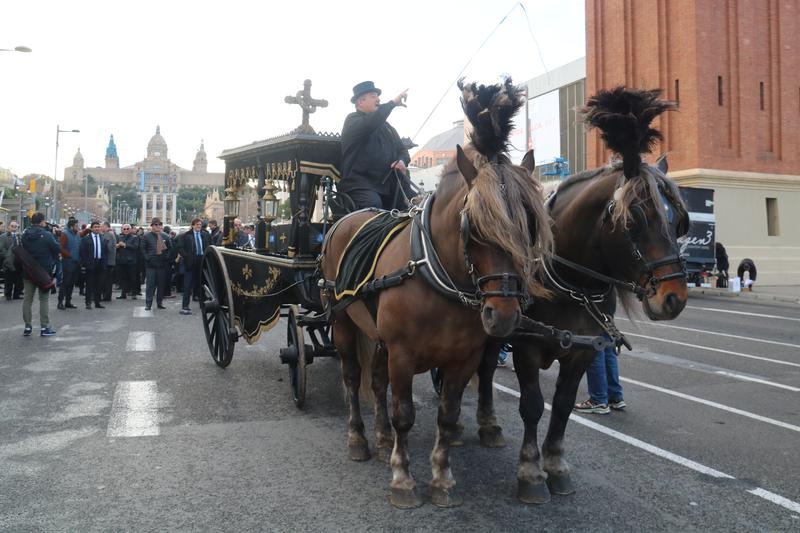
(443, 285)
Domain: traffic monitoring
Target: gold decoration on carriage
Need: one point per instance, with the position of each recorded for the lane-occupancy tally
(247, 272)
(257, 291)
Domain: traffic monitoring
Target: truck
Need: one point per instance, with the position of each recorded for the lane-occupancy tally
(698, 245)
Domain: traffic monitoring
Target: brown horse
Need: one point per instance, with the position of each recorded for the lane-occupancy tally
(486, 217)
(615, 229)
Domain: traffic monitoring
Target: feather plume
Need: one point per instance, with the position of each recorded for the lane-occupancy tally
(491, 109)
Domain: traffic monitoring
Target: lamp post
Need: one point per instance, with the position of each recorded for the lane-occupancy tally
(270, 207)
(55, 171)
(16, 49)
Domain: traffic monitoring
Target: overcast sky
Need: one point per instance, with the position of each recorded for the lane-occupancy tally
(219, 71)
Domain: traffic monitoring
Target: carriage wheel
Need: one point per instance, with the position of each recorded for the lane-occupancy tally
(297, 363)
(216, 308)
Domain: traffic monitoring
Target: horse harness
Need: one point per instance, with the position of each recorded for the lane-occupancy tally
(591, 301)
(426, 262)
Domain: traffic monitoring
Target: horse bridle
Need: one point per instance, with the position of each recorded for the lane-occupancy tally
(511, 284)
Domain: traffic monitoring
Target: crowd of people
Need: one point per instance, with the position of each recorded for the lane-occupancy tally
(94, 260)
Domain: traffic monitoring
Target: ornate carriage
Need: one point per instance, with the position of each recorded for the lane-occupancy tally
(247, 291)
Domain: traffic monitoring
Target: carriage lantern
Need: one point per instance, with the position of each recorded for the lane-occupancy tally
(270, 202)
(231, 203)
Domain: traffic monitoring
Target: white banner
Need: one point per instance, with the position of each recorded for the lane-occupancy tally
(545, 127)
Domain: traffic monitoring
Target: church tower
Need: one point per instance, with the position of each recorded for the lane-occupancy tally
(200, 161)
(157, 147)
(112, 160)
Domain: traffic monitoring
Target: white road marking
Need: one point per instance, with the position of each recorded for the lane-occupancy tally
(140, 341)
(709, 348)
(134, 411)
(139, 312)
(742, 377)
(713, 404)
(660, 452)
(754, 339)
(745, 313)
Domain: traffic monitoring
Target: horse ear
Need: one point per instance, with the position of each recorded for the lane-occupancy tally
(465, 166)
(662, 165)
(529, 162)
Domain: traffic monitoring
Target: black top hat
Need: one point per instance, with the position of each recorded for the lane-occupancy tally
(363, 88)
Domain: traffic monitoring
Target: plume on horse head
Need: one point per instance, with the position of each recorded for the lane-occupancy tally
(623, 117)
(491, 109)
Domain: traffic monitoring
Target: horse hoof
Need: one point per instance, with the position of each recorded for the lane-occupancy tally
(445, 497)
(560, 484)
(492, 438)
(358, 453)
(404, 498)
(384, 455)
(528, 492)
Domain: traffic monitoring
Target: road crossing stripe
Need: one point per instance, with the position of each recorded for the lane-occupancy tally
(140, 341)
(720, 350)
(660, 452)
(134, 410)
(754, 339)
(745, 313)
(712, 404)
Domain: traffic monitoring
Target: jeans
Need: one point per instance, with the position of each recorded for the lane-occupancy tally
(602, 377)
(44, 304)
(71, 269)
(191, 282)
(156, 284)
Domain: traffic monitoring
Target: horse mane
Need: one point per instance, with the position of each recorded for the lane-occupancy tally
(491, 109)
(623, 117)
(505, 205)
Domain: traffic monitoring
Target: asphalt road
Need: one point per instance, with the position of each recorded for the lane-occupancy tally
(123, 422)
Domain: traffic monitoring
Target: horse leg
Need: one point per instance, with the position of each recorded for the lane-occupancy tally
(490, 433)
(557, 468)
(402, 489)
(345, 335)
(380, 383)
(531, 485)
(442, 486)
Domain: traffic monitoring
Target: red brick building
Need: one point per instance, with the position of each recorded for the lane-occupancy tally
(734, 68)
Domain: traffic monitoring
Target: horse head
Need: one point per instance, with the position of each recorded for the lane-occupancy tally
(503, 224)
(643, 215)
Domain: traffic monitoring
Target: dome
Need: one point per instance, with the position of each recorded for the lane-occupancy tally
(157, 147)
(77, 161)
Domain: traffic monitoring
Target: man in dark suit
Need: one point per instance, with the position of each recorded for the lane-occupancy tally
(193, 244)
(156, 246)
(94, 258)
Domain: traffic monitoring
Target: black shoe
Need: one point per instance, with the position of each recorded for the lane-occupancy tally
(122, 297)
(18, 297)
(61, 307)
(148, 308)
(69, 305)
(88, 306)
(133, 297)
(99, 306)
(161, 306)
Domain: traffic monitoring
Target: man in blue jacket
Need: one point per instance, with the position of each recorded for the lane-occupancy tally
(43, 247)
(94, 258)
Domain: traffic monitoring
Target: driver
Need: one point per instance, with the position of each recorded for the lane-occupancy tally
(373, 156)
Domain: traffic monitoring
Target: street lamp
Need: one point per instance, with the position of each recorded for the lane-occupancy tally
(16, 49)
(55, 171)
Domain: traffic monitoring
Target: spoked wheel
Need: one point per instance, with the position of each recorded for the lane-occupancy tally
(294, 355)
(216, 308)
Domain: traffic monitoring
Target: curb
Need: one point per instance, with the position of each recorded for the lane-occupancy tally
(744, 295)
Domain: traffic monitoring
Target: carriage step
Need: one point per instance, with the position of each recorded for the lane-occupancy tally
(315, 320)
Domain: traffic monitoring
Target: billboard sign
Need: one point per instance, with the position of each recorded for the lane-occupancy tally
(545, 127)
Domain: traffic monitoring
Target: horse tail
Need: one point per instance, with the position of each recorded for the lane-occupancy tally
(623, 117)
(366, 349)
(491, 109)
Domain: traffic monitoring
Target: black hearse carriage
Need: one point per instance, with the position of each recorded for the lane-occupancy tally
(246, 292)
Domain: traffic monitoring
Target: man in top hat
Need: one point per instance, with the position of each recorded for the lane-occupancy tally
(373, 156)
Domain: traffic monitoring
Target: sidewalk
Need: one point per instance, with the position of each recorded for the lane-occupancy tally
(774, 293)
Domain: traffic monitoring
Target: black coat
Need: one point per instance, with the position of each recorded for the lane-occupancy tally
(188, 248)
(148, 245)
(42, 246)
(128, 254)
(369, 147)
(88, 260)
